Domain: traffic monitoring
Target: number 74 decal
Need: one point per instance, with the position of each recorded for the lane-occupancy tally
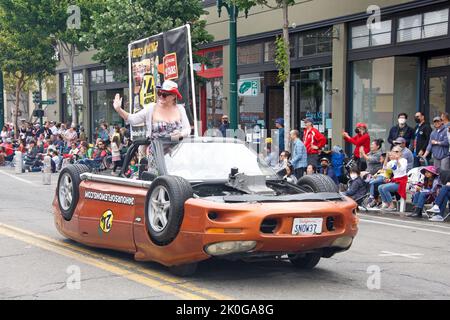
(106, 221)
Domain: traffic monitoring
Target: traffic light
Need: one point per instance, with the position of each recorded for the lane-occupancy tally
(36, 97)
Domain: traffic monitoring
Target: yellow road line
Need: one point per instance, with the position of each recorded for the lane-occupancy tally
(152, 283)
(131, 267)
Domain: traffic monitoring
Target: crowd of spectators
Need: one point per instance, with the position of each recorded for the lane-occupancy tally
(64, 144)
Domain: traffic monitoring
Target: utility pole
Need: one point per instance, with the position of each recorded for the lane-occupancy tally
(41, 113)
(233, 12)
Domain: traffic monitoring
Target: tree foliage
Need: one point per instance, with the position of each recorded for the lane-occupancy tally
(123, 22)
(26, 50)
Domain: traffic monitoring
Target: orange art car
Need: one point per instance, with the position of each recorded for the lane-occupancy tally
(203, 198)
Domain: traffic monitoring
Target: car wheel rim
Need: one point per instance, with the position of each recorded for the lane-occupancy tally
(65, 193)
(158, 212)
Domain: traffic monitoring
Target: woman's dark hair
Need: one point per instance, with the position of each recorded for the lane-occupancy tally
(116, 140)
(313, 167)
(355, 169)
(287, 153)
(379, 142)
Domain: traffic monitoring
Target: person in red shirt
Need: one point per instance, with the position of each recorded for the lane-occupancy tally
(314, 141)
(361, 139)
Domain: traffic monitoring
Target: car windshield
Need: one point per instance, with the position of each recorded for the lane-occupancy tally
(213, 161)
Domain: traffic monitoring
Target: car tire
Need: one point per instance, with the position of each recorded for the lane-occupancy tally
(184, 270)
(164, 208)
(67, 189)
(307, 261)
(318, 183)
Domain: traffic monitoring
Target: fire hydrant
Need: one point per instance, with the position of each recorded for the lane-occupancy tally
(47, 171)
(18, 162)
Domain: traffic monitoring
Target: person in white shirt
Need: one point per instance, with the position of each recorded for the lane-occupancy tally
(163, 118)
(397, 184)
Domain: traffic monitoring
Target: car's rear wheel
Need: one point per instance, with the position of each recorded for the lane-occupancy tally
(318, 183)
(165, 208)
(67, 189)
(307, 261)
(184, 270)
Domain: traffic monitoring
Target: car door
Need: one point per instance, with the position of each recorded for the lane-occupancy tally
(107, 213)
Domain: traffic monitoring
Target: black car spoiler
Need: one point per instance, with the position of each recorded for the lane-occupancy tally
(303, 197)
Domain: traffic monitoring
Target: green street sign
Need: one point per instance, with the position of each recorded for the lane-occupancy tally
(48, 102)
(248, 87)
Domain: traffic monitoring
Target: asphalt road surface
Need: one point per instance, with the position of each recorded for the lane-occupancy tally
(392, 258)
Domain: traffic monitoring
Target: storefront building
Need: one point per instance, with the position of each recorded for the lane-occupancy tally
(95, 89)
(342, 72)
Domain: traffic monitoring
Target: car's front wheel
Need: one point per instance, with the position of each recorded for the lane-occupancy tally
(165, 208)
(307, 261)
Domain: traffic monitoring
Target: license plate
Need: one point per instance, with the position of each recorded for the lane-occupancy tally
(307, 226)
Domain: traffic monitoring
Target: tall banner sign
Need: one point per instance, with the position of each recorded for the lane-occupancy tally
(166, 56)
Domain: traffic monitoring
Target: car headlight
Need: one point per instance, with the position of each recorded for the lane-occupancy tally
(227, 247)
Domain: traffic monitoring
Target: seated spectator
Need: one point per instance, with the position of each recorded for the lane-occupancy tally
(133, 169)
(2, 156)
(380, 177)
(357, 187)
(406, 153)
(311, 169)
(425, 192)
(398, 183)
(440, 204)
(56, 159)
(373, 157)
(327, 170)
(8, 149)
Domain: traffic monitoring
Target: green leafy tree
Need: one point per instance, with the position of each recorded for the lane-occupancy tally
(72, 20)
(282, 59)
(26, 50)
(123, 22)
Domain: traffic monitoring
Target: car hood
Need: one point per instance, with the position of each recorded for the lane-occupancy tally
(303, 197)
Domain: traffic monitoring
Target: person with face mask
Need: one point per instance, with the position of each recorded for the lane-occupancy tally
(360, 140)
(357, 187)
(401, 130)
(421, 137)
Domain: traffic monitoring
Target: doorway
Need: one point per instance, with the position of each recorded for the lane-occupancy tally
(437, 86)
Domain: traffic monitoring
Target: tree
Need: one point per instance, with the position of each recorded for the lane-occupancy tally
(123, 22)
(72, 20)
(282, 58)
(26, 50)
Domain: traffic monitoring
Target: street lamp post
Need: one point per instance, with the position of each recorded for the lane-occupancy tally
(233, 12)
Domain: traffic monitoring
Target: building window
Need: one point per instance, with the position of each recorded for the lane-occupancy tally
(315, 42)
(98, 76)
(383, 88)
(249, 54)
(363, 37)
(251, 103)
(109, 76)
(270, 49)
(422, 26)
(215, 59)
(214, 96)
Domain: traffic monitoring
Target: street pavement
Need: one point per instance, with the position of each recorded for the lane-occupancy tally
(393, 257)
